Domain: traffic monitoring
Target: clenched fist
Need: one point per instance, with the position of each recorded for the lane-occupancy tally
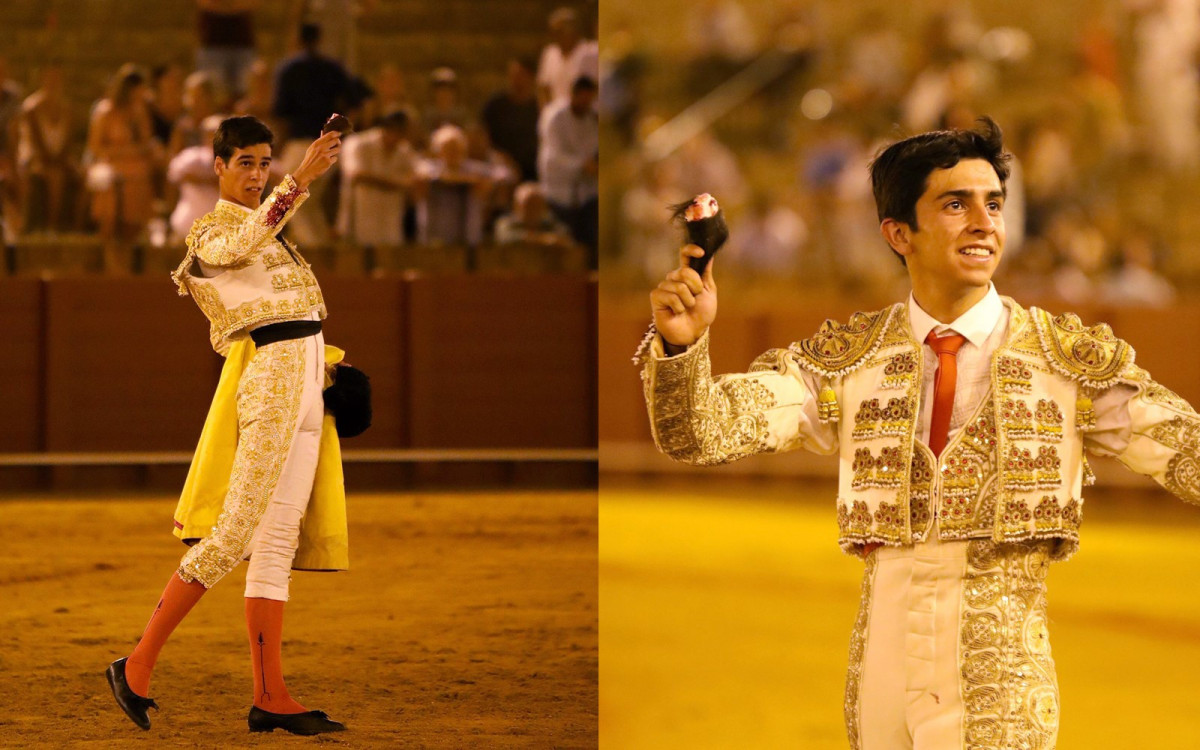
(321, 155)
(684, 304)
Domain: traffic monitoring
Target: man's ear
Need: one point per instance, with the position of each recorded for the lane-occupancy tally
(218, 166)
(898, 235)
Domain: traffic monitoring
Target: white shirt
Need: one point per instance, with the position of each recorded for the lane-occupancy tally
(568, 143)
(984, 326)
(369, 214)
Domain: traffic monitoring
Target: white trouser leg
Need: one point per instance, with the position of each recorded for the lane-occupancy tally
(274, 543)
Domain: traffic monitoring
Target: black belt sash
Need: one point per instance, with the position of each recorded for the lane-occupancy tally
(289, 329)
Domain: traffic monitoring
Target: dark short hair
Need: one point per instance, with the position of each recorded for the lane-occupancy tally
(240, 132)
(900, 173)
(584, 83)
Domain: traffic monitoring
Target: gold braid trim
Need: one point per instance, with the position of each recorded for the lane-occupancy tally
(837, 350)
(1093, 357)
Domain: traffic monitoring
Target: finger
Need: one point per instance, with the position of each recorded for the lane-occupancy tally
(680, 289)
(691, 278)
(689, 251)
(664, 300)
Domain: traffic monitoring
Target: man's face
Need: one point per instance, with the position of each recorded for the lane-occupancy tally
(961, 229)
(243, 178)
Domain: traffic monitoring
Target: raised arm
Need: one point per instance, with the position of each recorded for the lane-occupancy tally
(699, 419)
(221, 245)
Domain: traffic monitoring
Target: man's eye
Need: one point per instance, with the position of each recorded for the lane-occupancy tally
(954, 204)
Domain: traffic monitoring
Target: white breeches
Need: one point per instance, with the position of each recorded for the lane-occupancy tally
(951, 649)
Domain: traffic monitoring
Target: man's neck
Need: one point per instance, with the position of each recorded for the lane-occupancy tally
(947, 306)
(230, 199)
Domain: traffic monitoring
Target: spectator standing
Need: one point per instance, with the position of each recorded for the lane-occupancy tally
(568, 163)
(309, 87)
(338, 21)
(124, 155)
(191, 171)
(452, 190)
(568, 57)
(43, 158)
(377, 172)
(511, 118)
(225, 36)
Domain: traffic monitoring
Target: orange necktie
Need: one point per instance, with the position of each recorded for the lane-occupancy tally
(946, 348)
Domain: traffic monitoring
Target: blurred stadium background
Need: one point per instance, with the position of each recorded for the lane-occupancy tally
(727, 604)
(473, 493)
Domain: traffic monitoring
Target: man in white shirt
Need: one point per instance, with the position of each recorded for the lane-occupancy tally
(568, 163)
(960, 419)
(377, 171)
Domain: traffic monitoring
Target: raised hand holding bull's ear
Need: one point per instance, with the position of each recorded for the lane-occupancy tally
(684, 304)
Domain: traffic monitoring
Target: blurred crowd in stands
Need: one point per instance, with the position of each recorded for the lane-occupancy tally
(517, 168)
(777, 110)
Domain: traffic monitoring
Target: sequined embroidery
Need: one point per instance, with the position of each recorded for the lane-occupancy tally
(1015, 375)
(901, 369)
(1009, 686)
(837, 349)
(1091, 356)
(268, 406)
(1048, 419)
(890, 421)
(883, 471)
(1016, 419)
(703, 422)
(858, 651)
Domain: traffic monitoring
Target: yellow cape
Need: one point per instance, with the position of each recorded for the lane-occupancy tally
(323, 536)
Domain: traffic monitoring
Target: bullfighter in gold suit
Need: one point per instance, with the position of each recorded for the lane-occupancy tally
(960, 420)
(254, 473)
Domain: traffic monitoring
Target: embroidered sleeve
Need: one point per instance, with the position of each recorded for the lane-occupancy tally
(1164, 440)
(702, 420)
(222, 244)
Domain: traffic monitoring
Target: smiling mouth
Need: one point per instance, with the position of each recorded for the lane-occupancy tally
(973, 251)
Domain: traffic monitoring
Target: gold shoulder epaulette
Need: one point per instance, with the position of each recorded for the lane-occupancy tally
(837, 349)
(1092, 356)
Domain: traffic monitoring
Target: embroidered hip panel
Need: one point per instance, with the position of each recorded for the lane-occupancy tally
(858, 650)
(1008, 681)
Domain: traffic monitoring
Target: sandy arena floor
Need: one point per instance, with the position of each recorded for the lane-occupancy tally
(728, 608)
(468, 620)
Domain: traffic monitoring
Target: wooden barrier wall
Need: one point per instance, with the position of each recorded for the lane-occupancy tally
(100, 364)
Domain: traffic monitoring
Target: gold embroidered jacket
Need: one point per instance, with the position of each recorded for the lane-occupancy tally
(261, 278)
(1014, 471)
